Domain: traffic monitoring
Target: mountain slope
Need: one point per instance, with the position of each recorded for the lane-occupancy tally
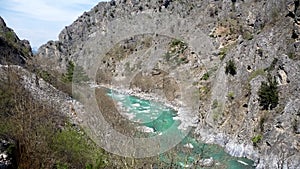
(39, 126)
(12, 49)
(223, 50)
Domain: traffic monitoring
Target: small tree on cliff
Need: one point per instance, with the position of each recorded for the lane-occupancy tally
(268, 94)
(230, 68)
(75, 74)
(67, 77)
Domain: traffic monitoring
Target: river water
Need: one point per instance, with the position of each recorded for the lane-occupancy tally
(156, 118)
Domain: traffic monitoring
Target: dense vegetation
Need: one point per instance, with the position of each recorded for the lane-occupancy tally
(268, 94)
(39, 136)
(230, 68)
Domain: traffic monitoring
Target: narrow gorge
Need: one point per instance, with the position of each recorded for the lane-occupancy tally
(173, 83)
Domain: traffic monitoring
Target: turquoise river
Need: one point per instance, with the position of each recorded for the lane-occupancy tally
(158, 118)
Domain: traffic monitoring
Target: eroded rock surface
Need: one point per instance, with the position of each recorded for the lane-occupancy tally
(164, 47)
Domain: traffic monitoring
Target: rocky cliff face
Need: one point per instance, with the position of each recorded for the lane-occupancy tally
(12, 49)
(163, 47)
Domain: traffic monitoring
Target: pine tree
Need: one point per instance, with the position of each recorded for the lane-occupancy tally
(230, 68)
(75, 74)
(268, 94)
(68, 77)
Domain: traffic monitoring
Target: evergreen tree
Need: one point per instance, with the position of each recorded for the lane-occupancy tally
(75, 74)
(230, 68)
(268, 94)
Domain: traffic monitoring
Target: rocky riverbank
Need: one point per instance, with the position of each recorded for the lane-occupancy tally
(183, 113)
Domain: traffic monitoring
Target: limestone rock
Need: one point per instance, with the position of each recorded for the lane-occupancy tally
(209, 162)
(146, 45)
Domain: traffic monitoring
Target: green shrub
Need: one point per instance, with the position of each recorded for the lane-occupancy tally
(61, 166)
(77, 147)
(205, 76)
(25, 51)
(10, 36)
(230, 68)
(177, 42)
(230, 96)
(204, 91)
(44, 75)
(256, 139)
(223, 52)
(291, 55)
(268, 94)
(180, 45)
(176, 48)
